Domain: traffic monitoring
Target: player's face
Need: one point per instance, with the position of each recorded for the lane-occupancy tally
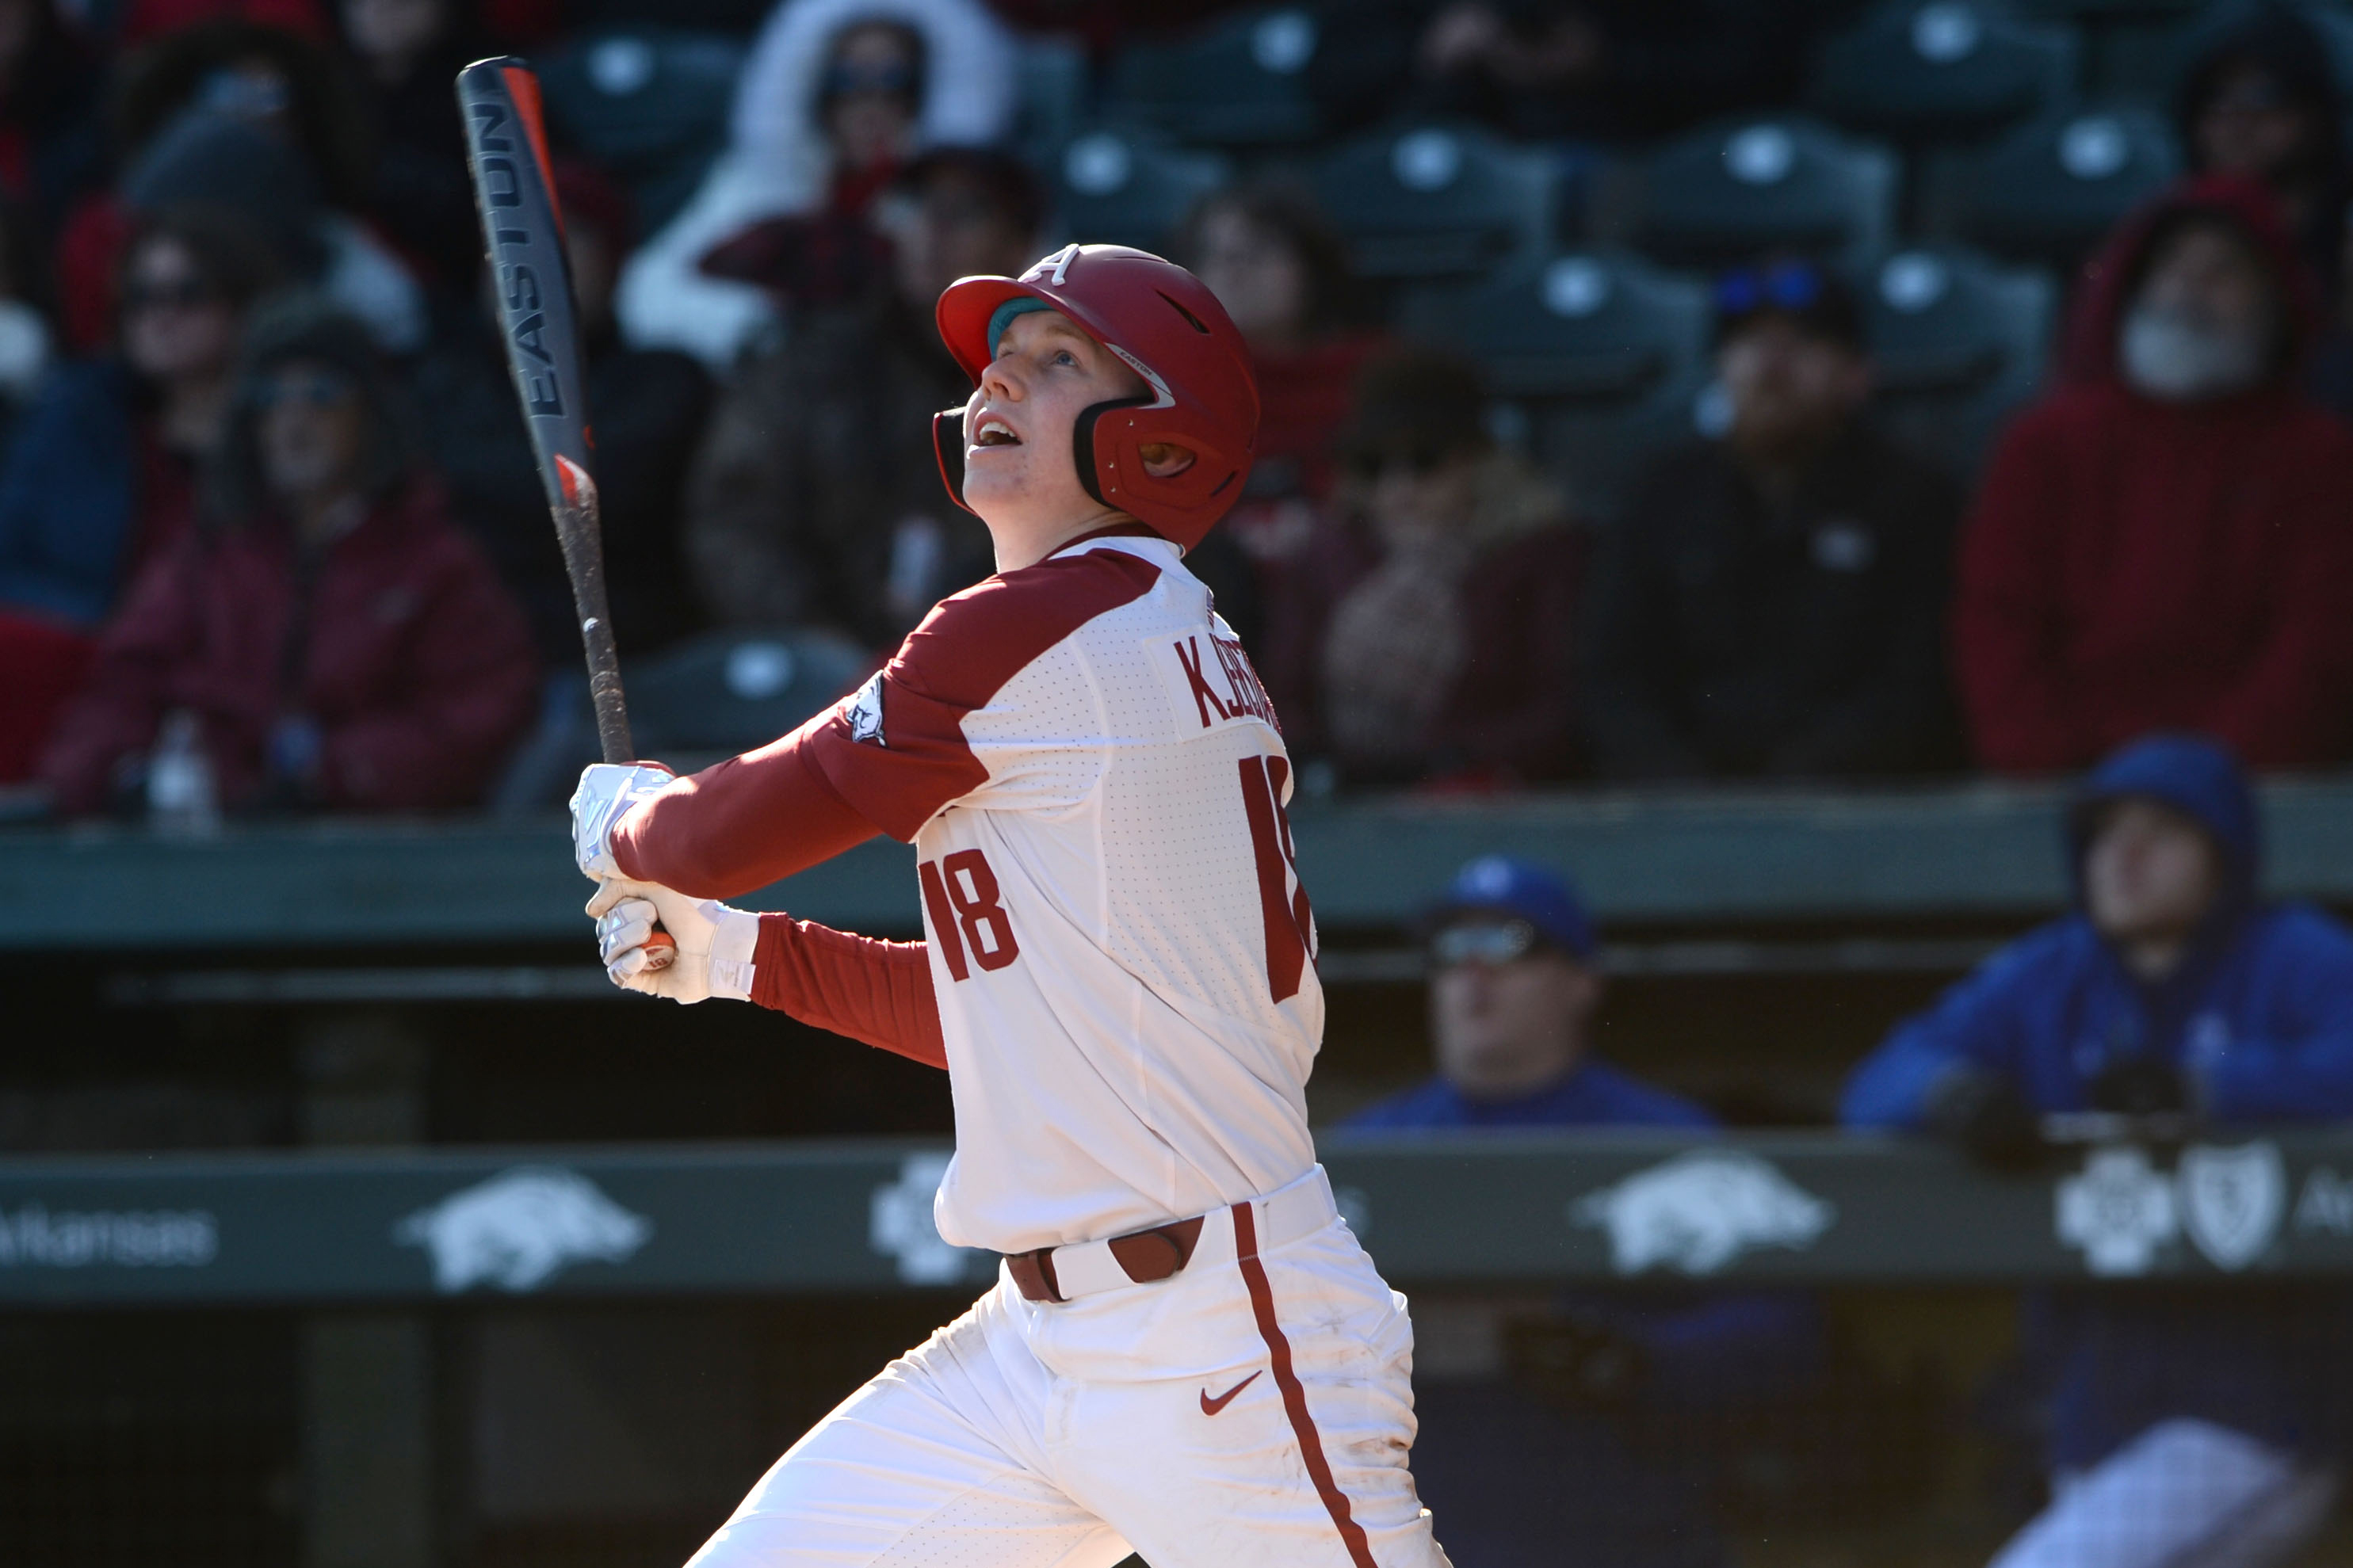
(1511, 1028)
(1018, 468)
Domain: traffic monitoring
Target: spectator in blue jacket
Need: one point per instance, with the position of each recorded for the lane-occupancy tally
(2182, 1423)
(1518, 1473)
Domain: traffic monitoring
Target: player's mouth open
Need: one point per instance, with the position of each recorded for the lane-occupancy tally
(993, 431)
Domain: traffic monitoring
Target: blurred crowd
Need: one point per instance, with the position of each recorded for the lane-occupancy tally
(270, 538)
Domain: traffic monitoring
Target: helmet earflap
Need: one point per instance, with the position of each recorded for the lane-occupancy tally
(1110, 439)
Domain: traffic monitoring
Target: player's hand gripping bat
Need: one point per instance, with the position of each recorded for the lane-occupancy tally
(522, 234)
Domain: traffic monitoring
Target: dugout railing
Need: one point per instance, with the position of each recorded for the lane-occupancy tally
(1707, 857)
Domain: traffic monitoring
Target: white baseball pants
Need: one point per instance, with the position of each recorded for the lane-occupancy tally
(1253, 1410)
(2183, 1494)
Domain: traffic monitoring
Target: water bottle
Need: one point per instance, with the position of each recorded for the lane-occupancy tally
(181, 798)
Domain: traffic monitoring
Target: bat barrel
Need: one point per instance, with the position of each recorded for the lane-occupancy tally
(522, 237)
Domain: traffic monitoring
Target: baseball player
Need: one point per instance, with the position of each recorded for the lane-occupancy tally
(1187, 1353)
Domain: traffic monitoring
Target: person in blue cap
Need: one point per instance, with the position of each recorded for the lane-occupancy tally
(1512, 989)
(1538, 1465)
(2186, 1428)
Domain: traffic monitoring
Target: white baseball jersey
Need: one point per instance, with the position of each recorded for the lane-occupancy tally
(1123, 954)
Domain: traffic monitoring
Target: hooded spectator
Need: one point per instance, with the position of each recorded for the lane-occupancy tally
(817, 499)
(2261, 103)
(650, 408)
(837, 95)
(261, 122)
(1282, 272)
(2162, 542)
(324, 635)
(102, 474)
(1428, 632)
(1771, 603)
(2199, 1421)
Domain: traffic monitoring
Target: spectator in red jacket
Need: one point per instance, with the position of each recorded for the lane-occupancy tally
(333, 638)
(1428, 632)
(2166, 542)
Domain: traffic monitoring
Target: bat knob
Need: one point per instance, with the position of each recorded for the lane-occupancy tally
(662, 950)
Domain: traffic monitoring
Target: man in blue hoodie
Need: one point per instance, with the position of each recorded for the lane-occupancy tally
(2188, 1427)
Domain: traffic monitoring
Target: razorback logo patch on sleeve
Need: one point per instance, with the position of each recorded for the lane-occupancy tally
(865, 713)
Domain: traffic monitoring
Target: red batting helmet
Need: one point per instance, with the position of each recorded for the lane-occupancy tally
(1171, 330)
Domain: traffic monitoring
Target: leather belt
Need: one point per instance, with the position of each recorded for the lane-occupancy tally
(1144, 1257)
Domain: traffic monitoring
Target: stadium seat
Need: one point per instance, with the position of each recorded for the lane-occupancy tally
(1960, 343)
(1595, 324)
(728, 691)
(1594, 357)
(1729, 190)
(1921, 70)
(649, 103)
(1436, 200)
(2049, 190)
(1240, 82)
(1130, 187)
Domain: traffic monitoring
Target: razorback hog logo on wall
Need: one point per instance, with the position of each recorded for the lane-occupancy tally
(519, 1228)
(1237, 693)
(1697, 1212)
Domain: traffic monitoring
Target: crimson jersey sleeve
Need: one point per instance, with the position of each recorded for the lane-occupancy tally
(736, 827)
(877, 992)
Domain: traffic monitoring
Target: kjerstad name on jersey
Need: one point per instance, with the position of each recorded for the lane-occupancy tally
(1242, 697)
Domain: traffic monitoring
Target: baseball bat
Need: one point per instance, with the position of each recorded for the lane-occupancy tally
(522, 237)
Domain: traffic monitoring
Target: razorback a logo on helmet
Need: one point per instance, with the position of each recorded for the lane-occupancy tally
(1053, 268)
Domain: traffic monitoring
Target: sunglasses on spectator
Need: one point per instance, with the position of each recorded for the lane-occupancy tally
(179, 294)
(312, 390)
(1482, 942)
(1784, 285)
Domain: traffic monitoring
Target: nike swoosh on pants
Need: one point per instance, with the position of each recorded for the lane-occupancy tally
(1211, 1407)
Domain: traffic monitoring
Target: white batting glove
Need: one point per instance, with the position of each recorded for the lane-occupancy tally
(714, 942)
(607, 793)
